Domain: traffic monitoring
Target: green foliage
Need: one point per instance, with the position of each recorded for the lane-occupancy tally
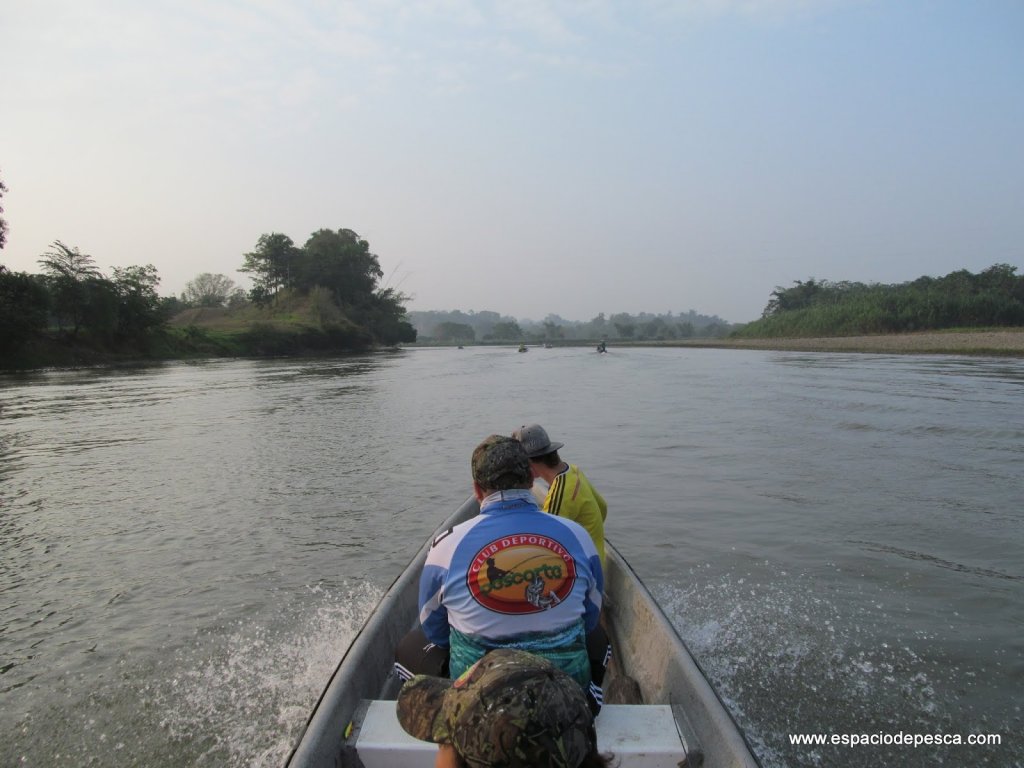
(139, 307)
(644, 326)
(993, 297)
(271, 265)
(339, 274)
(269, 340)
(342, 262)
(24, 307)
(457, 332)
(72, 279)
(506, 331)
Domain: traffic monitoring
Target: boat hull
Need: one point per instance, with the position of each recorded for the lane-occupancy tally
(650, 663)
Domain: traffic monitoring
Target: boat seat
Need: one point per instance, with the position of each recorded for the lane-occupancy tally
(640, 736)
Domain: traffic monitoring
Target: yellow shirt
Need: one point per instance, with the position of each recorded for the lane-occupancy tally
(573, 497)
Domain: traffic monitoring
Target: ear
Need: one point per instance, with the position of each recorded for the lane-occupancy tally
(478, 491)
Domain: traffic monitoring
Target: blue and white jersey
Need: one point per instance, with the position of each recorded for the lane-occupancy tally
(511, 572)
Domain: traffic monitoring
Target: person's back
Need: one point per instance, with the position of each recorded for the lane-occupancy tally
(570, 494)
(512, 577)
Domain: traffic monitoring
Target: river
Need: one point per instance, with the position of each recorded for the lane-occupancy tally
(186, 549)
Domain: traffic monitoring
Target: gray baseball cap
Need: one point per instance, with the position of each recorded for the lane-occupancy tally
(535, 440)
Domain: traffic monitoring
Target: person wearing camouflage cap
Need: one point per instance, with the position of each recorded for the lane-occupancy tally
(511, 709)
(511, 577)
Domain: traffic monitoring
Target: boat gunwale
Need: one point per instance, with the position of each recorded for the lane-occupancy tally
(364, 670)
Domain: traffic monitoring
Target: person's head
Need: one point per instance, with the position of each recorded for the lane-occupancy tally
(538, 446)
(509, 710)
(500, 464)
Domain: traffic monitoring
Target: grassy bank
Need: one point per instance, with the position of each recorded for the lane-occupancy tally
(1001, 342)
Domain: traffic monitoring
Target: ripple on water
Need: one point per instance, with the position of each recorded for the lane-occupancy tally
(788, 658)
(237, 695)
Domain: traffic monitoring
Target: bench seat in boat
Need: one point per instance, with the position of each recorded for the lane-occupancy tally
(640, 735)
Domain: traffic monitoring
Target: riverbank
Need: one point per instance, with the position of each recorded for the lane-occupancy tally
(1007, 342)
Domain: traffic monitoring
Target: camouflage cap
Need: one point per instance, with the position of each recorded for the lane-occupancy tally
(500, 463)
(511, 709)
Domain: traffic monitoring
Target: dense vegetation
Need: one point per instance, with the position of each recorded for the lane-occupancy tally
(468, 327)
(321, 298)
(993, 297)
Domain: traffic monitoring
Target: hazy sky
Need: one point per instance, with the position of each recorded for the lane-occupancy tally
(527, 156)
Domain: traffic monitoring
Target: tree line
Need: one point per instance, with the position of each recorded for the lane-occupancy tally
(992, 297)
(71, 303)
(74, 298)
(468, 327)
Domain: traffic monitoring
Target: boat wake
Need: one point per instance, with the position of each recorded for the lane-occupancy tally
(787, 659)
(250, 689)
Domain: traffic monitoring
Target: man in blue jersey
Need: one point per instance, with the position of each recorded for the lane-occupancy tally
(512, 577)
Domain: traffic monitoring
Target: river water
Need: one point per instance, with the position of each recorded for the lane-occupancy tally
(187, 549)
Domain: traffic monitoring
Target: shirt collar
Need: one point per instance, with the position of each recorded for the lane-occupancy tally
(514, 494)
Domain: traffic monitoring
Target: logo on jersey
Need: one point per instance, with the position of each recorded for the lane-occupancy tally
(518, 574)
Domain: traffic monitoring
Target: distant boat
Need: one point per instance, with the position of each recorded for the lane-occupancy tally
(522, 348)
(602, 348)
(548, 346)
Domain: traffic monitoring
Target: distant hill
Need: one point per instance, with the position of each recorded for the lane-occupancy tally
(458, 326)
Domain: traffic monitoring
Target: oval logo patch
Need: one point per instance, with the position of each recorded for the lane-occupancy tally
(518, 574)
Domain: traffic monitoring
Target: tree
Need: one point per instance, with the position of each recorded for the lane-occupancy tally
(71, 277)
(386, 318)
(449, 331)
(506, 331)
(552, 330)
(139, 306)
(208, 290)
(799, 296)
(342, 262)
(238, 298)
(272, 265)
(24, 306)
(3, 221)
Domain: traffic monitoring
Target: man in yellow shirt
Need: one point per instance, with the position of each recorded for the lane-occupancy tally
(570, 494)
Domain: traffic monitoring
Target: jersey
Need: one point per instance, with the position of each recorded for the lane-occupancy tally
(573, 497)
(512, 577)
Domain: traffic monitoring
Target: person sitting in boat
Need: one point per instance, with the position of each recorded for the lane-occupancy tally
(570, 494)
(511, 709)
(473, 593)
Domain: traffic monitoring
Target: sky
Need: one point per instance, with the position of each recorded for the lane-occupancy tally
(528, 157)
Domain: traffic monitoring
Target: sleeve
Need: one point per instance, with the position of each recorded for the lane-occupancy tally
(433, 614)
(553, 502)
(595, 585)
(601, 503)
(592, 600)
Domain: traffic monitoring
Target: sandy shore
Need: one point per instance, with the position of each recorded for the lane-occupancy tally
(1002, 343)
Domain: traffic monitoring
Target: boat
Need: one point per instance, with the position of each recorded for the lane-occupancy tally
(659, 708)
(522, 348)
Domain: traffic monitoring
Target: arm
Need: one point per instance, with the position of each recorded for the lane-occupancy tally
(592, 600)
(433, 614)
(601, 503)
